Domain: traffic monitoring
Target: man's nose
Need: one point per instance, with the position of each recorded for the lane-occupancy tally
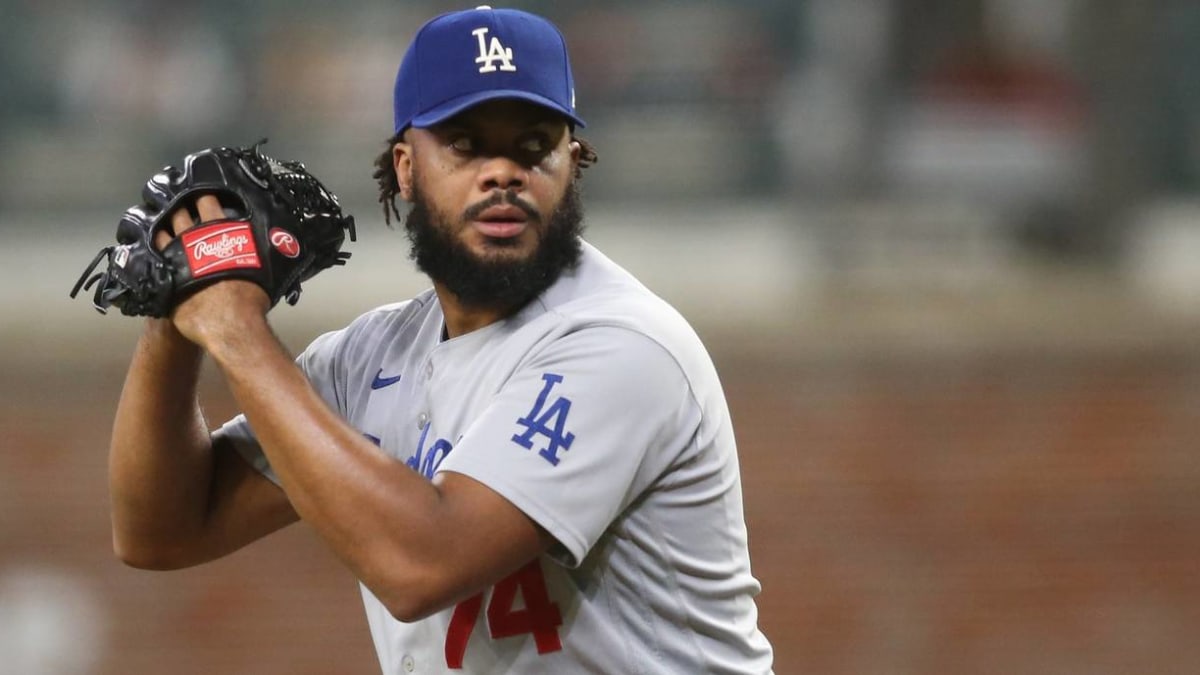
(503, 173)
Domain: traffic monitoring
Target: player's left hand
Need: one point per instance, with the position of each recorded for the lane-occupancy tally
(275, 225)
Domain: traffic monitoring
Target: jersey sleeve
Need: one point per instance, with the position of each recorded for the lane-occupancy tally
(319, 362)
(579, 431)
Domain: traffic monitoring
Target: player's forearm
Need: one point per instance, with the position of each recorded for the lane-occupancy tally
(389, 525)
(337, 481)
(159, 459)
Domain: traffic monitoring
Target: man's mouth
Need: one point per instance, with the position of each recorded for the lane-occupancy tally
(502, 221)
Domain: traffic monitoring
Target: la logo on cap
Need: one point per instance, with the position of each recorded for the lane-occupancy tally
(489, 53)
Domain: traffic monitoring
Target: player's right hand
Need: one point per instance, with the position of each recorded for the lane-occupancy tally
(213, 312)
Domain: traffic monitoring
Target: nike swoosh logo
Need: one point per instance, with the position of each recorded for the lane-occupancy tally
(380, 381)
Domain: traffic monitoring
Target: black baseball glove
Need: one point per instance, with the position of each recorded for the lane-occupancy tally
(281, 227)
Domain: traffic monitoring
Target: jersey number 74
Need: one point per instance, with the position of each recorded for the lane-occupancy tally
(539, 617)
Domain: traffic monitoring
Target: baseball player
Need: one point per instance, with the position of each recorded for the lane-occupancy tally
(530, 467)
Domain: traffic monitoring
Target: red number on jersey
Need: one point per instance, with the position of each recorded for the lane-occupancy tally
(461, 625)
(539, 617)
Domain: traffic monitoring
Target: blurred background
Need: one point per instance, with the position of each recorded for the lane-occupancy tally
(944, 252)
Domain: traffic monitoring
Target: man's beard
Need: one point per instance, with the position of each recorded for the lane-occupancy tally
(498, 282)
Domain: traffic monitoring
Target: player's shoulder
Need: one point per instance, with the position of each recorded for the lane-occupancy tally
(395, 315)
(384, 323)
(600, 294)
(601, 291)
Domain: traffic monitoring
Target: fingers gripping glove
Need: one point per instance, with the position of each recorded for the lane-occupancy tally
(282, 227)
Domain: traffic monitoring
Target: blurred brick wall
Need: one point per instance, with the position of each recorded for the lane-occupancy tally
(998, 513)
(1007, 514)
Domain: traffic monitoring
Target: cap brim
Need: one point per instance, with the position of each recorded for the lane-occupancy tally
(454, 106)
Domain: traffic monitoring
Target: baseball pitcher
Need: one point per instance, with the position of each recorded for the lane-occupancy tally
(530, 467)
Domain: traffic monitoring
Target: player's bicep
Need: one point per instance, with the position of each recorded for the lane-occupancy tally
(244, 505)
(500, 536)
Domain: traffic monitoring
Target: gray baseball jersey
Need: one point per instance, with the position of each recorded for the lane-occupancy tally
(597, 411)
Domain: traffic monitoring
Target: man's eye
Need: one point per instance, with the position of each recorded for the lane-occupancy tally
(462, 144)
(535, 144)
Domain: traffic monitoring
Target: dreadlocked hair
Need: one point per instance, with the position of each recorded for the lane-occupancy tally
(389, 185)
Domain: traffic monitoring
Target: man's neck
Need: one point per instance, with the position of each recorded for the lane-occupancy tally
(462, 319)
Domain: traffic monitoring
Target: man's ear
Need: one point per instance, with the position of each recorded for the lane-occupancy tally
(402, 161)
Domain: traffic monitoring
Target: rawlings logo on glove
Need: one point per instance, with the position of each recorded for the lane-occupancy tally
(284, 242)
(220, 246)
(287, 228)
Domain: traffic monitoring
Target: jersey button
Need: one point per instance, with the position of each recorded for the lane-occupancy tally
(421, 420)
(408, 663)
(429, 370)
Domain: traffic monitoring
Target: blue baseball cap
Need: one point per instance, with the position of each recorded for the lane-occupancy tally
(461, 59)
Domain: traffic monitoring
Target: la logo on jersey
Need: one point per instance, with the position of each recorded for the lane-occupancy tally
(491, 52)
(548, 421)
